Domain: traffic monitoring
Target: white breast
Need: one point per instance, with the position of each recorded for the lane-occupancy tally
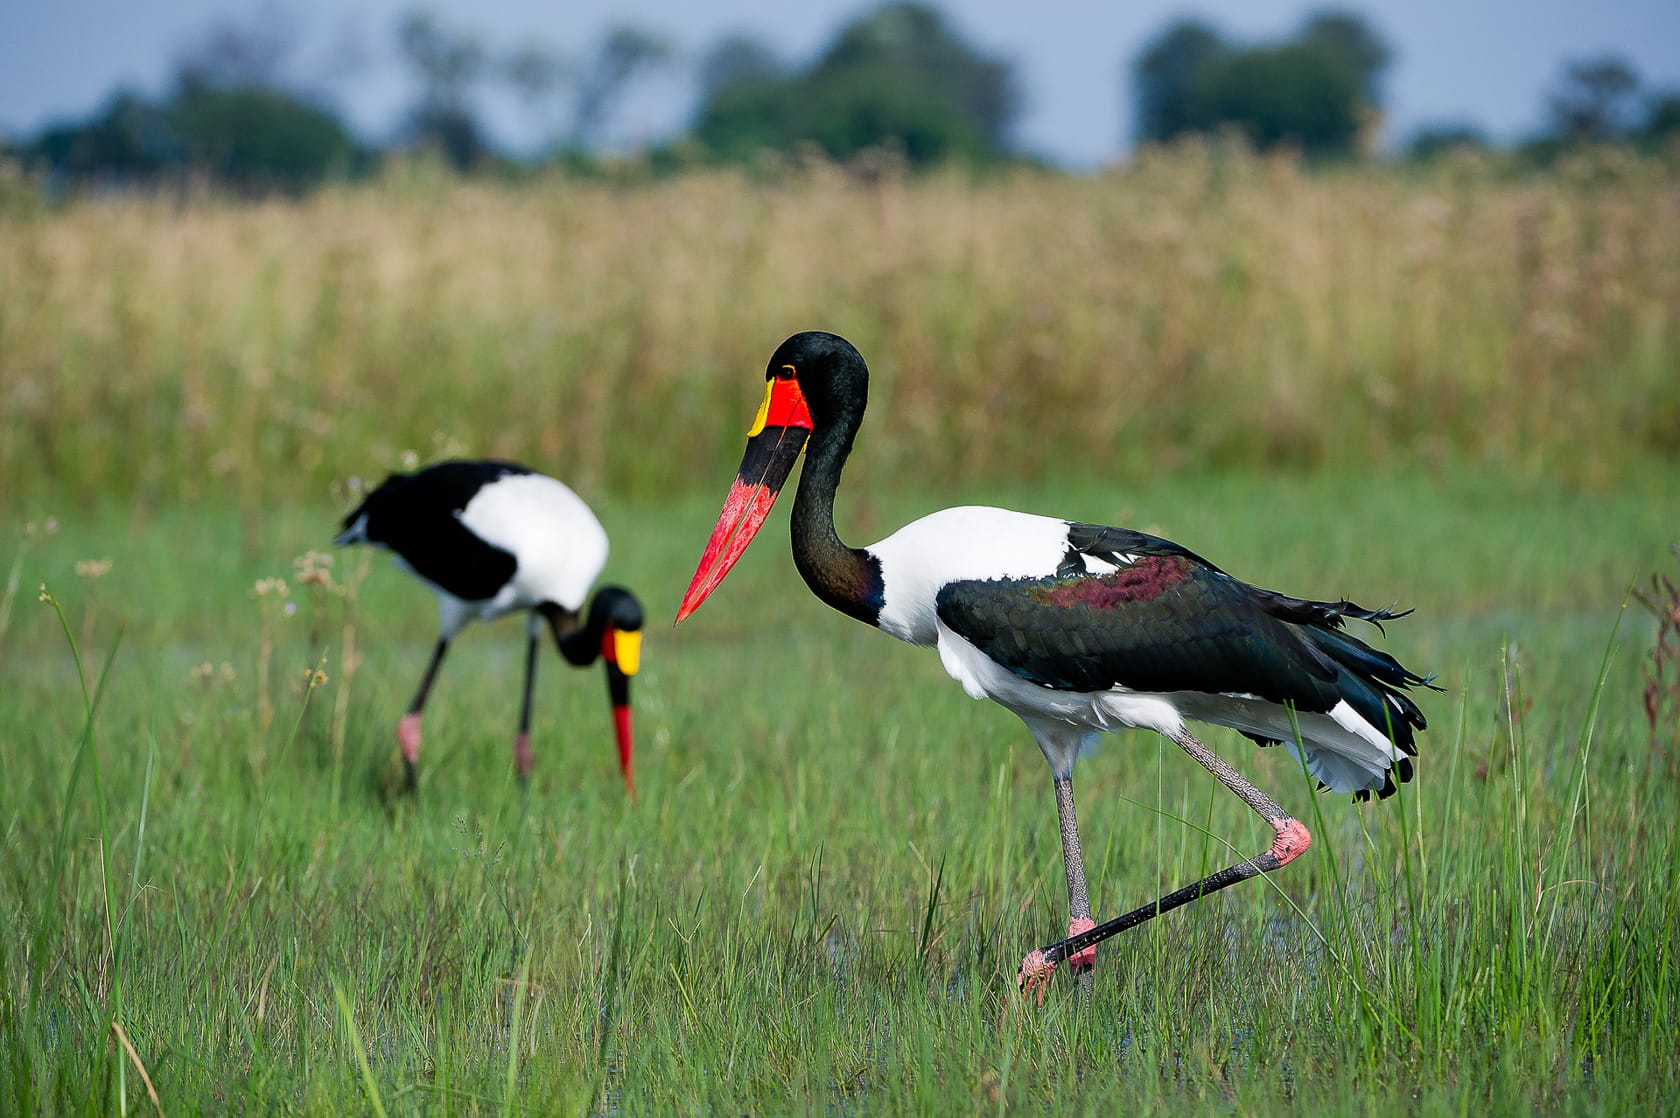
(959, 544)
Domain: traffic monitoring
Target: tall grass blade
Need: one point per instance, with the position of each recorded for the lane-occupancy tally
(610, 983)
(353, 1037)
(929, 912)
(511, 1083)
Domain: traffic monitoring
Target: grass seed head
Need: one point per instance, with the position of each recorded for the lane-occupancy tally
(314, 568)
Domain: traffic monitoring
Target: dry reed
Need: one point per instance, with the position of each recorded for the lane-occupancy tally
(1201, 306)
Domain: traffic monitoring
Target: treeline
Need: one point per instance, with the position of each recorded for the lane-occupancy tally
(1320, 91)
(900, 77)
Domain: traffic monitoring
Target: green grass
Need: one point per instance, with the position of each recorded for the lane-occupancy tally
(837, 860)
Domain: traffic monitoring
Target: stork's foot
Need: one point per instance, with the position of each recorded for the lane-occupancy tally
(1034, 976)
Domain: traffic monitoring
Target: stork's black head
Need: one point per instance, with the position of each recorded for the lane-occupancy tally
(614, 612)
(830, 371)
(617, 608)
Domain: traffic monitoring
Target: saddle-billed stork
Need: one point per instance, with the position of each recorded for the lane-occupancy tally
(493, 537)
(1077, 628)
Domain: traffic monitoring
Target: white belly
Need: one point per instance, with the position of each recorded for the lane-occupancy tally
(1342, 750)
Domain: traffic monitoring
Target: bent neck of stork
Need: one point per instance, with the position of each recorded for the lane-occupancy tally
(580, 642)
(847, 578)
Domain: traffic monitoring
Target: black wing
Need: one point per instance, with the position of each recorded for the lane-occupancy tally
(418, 516)
(1167, 620)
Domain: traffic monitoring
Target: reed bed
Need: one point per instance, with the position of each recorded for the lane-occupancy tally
(1197, 307)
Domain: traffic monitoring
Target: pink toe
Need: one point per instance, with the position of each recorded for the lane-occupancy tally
(1035, 974)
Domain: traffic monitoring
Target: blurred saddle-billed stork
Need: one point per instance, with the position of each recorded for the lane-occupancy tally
(1077, 628)
(493, 537)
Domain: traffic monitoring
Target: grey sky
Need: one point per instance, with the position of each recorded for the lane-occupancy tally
(1483, 61)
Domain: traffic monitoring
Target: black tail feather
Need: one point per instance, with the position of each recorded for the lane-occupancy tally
(1369, 680)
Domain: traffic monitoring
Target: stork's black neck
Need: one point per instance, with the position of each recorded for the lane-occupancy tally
(847, 578)
(579, 640)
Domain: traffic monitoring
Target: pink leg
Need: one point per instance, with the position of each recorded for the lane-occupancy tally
(408, 729)
(408, 740)
(1087, 958)
(522, 756)
(408, 737)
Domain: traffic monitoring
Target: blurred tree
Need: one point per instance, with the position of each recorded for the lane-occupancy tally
(625, 53)
(535, 70)
(1315, 91)
(1298, 94)
(255, 138)
(1662, 118)
(538, 74)
(863, 107)
(257, 50)
(237, 114)
(448, 63)
(741, 118)
(1347, 37)
(129, 139)
(915, 42)
(1600, 101)
(1165, 77)
(899, 74)
(734, 59)
(246, 137)
(1597, 100)
(229, 114)
(453, 132)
